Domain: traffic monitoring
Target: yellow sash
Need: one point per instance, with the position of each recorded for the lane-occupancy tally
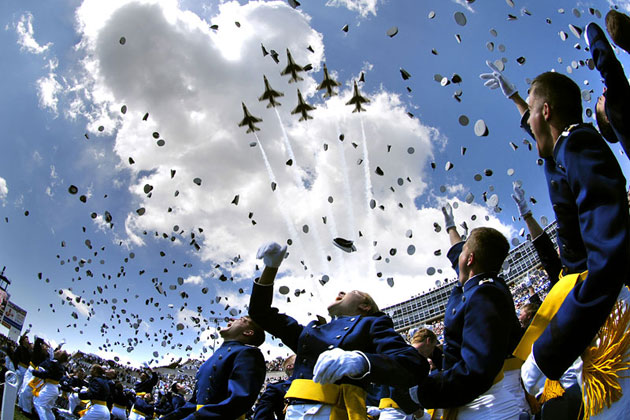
(120, 406)
(36, 384)
(240, 418)
(387, 403)
(546, 312)
(140, 413)
(348, 401)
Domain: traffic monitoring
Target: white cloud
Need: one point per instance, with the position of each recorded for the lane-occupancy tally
(192, 87)
(76, 301)
(623, 4)
(196, 280)
(48, 89)
(26, 38)
(363, 7)
(4, 190)
(465, 5)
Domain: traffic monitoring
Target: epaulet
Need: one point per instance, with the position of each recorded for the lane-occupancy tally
(484, 281)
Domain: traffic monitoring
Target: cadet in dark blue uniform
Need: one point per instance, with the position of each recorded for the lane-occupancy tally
(270, 405)
(146, 383)
(228, 383)
(177, 398)
(587, 190)
(142, 408)
(97, 393)
(480, 331)
(335, 360)
(119, 402)
(51, 371)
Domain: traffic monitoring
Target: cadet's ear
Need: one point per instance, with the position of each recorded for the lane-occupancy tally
(365, 307)
(470, 259)
(248, 333)
(546, 111)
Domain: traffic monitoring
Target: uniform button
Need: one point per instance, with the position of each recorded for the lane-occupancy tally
(352, 319)
(314, 326)
(346, 328)
(554, 184)
(331, 347)
(454, 311)
(220, 357)
(560, 166)
(463, 299)
(304, 346)
(229, 348)
(338, 337)
(301, 375)
(304, 361)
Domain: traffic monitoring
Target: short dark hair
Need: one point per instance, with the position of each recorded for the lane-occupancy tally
(562, 94)
(259, 334)
(489, 247)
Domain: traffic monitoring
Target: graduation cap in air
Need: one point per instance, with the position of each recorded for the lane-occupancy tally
(344, 245)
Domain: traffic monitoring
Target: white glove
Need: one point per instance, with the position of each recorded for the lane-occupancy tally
(532, 376)
(497, 79)
(272, 254)
(146, 365)
(519, 199)
(449, 220)
(334, 364)
(373, 411)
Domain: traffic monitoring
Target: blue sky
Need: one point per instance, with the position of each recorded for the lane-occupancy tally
(66, 75)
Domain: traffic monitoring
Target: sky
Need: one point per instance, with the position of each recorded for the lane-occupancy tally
(132, 204)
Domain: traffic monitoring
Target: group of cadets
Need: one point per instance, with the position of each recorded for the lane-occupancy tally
(356, 366)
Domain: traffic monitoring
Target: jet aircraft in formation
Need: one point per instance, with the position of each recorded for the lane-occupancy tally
(269, 94)
(302, 108)
(249, 120)
(357, 99)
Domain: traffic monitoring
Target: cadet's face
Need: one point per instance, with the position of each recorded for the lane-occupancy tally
(347, 304)
(235, 327)
(539, 126)
(425, 347)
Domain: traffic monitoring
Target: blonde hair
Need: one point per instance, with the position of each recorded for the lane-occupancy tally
(422, 334)
(368, 300)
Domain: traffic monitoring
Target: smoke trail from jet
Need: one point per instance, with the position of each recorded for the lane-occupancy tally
(368, 196)
(346, 184)
(291, 229)
(300, 184)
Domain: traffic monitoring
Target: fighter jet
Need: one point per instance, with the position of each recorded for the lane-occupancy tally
(292, 69)
(357, 100)
(270, 94)
(249, 120)
(328, 83)
(302, 107)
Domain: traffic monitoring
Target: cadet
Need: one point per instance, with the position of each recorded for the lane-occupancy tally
(480, 331)
(270, 405)
(98, 392)
(587, 190)
(45, 394)
(228, 383)
(335, 361)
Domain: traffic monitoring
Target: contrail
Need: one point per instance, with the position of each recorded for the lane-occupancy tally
(368, 196)
(346, 184)
(298, 181)
(292, 231)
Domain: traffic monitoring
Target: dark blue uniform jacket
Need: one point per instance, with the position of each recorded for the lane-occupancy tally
(98, 389)
(481, 330)
(270, 405)
(227, 384)
(587, 191)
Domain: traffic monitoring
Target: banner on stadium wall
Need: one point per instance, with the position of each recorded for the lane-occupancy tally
(4, 300)
(14, 316)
